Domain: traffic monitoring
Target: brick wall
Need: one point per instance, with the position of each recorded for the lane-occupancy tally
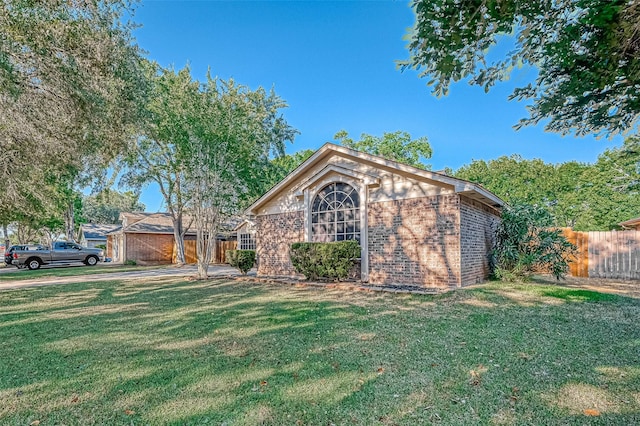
(415, 242)
(477, 225)
(274, 235)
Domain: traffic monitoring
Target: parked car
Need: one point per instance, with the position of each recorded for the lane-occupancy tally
(8, 255)
(63, 253)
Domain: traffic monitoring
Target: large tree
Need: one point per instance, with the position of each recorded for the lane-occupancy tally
(70, 84)
(587, 53)
(397, 146)
(236, 132)
(160, 153)
(207, 146)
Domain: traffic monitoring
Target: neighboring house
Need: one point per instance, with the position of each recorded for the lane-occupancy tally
(415, 227)
(631, 224)
(95, 234)
(148, 238)
(145, 238)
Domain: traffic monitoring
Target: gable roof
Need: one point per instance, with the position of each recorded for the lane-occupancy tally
(158, 223)
(148, 223)
(461, 186)
(96, 231)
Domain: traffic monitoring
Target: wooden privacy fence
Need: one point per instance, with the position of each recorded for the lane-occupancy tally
(222, 248)
(606, 254)
(191, 253)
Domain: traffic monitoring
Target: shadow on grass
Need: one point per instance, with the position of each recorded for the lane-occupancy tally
(175, 352)
(70, 271)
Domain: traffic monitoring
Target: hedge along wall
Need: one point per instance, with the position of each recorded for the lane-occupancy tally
(333, 261)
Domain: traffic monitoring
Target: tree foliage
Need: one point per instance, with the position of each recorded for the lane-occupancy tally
(397, 146)
(208, 147)
(235, 133)
(106, 206)
(587, 197)
(70, 84)
(160, 153)
(526, 243)
(281, 166)
(587, 53)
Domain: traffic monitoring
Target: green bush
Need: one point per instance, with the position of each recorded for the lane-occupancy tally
(325, 260)
(102, 246)
(130, 262)
(243, 260)
(526, 243)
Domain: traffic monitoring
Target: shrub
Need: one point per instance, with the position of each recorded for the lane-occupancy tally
(526, 243)
(101, 246)
(130, 262)
(243, 260)
(325, 260)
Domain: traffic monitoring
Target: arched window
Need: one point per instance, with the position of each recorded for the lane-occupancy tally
(335, 214)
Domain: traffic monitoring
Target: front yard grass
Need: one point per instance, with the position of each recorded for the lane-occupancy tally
(69, 271)
(234, 353)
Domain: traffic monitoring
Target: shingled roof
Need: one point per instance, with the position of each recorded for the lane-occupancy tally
(148, 223)
(97, 231)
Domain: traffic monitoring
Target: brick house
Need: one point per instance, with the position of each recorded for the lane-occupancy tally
(146, 238)
(415, 227)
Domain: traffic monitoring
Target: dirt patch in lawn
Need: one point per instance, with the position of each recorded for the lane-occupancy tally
(621, 287)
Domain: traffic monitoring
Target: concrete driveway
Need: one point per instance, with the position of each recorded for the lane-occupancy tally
(168, 272)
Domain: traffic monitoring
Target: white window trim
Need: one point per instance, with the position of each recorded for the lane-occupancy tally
(362, 188)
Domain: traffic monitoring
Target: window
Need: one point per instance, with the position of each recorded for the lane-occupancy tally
(335, 214)
(247, 242)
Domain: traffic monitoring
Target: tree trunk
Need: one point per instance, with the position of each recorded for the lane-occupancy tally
(203, 270)
(5, 231)
(178, 236)
(70, 222)
(202, 250)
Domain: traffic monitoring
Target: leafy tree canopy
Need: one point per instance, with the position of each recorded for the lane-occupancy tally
(397, 146)
(587, 53)
(208, 147)
(587, 197)
(70, 85)
(106, 206)
(232, 136)
(281, 166)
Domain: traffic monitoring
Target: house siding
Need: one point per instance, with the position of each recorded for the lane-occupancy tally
(149, 248)
(415, 242)
(276, 233)
(477, 227)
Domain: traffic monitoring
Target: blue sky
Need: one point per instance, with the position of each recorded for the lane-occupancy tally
(334, 64)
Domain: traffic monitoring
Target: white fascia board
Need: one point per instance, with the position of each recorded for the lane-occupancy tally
(458, 184)
(288, 179)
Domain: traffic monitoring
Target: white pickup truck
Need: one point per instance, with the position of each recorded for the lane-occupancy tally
(63, 253)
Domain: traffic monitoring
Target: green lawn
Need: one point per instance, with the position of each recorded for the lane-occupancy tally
(68, 271)
(233, 353)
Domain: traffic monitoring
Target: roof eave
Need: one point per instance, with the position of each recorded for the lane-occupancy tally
(459, 184)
